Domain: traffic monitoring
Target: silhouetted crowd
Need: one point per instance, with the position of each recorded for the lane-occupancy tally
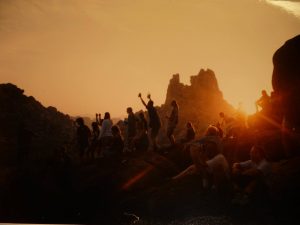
(139, 135)
(209, 158)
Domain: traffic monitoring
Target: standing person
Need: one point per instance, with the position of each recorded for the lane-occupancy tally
(94, 141)
(83, 135)
(141, 141)
(154, 121)
(117, 146)
(131, 128)
(105, 135)
(172, 122)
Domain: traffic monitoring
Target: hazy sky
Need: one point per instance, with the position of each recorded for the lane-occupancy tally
(87, 56)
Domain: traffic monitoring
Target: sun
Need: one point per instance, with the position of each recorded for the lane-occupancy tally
(246, 107)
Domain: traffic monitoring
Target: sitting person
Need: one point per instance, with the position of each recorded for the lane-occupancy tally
(230, 126)
(208, 160)
(264, 102)
(250, 176)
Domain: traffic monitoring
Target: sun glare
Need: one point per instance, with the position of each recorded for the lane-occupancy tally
(248, 108)
(290, 6)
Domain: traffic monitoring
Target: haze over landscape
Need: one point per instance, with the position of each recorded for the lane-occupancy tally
(95, 56)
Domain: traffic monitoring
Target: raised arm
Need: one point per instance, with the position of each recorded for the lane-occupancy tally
(140, 96)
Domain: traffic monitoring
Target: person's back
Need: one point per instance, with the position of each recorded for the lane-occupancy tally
(117, 146)
(131, 120)
(154, 121)
(95, 131)
(105, 137)
(141, 139)
(211, 136)
(106, 127)
(83, 135)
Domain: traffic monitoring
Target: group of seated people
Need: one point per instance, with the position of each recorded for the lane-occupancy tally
(248, 178)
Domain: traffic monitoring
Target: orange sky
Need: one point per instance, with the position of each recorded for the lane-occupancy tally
(87, 56)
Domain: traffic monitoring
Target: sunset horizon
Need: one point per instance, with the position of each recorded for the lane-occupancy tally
(150, 112)
(82, 57)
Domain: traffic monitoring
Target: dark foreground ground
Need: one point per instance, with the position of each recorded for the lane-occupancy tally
(107, 191)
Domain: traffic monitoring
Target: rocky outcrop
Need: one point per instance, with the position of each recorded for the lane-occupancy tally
(200, 102)
(48, 128)
(286, 79)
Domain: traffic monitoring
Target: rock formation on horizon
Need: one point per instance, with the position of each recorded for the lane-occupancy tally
(200, 102)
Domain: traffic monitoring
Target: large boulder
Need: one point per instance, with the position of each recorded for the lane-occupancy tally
(286, 79)
(286, 84)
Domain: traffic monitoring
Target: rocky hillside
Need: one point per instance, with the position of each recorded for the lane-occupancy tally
(48, 129)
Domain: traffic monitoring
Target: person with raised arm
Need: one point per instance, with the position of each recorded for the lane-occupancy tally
(154, 120)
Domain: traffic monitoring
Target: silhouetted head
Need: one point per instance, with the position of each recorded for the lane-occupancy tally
(212, 131)
(221, 114)
(80, 121)
(115, 130)
(141, 115)
(129, 110)
(264, 93)
(95, 125)
(150, 103)
(107, 115)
